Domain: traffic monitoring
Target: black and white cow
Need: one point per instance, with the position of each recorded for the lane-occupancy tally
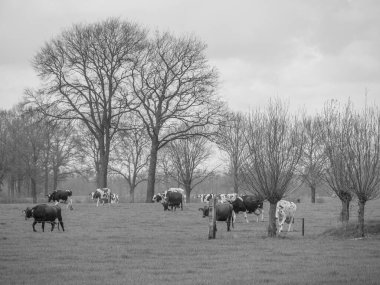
(224, 212)
(44, 213)
(249, 204)
(172, 200)
(102, 195)
(61, 196)
(158, 197)
(285, 212)
(205, 198)
(114, 198)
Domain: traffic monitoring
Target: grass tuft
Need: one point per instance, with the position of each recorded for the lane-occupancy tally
(350, 230)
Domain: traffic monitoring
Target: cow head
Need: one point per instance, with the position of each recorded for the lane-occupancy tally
(157, 198)
(69, 193)
(205, 210)
(28, 212)
(50, 196)
(166, 205)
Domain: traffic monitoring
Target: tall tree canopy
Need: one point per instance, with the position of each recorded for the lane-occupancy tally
(85, 71)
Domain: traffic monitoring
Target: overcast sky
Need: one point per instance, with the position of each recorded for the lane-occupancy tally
(306, 52)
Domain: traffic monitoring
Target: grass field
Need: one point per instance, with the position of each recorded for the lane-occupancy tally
(142, 244)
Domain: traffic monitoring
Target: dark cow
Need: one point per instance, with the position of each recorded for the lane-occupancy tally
(173, 200)
(248, 204)
(44, 213)
(60, 196)
(224, 212)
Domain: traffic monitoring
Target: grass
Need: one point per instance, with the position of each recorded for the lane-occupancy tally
(142, 244)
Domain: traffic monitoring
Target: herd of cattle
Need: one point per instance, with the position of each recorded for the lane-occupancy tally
(228, 205)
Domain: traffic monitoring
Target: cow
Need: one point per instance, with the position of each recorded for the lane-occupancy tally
(248, 204)
(61, 196)
(285, 212)
(172, 200)
(179, 190)
(44, 213)
(205, 198)
(224, 212)
(101, 195)
(158, 197)
(114, 198)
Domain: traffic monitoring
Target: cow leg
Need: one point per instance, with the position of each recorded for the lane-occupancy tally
(97, 203)
(290, 223)
(43, 226)
(34, 223)
(228, 223)
(246, 217)
(56, 203)
(262, 216)
(52, 226)
(61, 222)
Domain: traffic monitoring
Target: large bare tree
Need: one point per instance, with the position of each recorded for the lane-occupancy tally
(274, 148)
(130, 157)
(85, 72)
(230, 139)
(363, 158)
(175, 86)
(313, 160)
(188, 158)
(336, 130)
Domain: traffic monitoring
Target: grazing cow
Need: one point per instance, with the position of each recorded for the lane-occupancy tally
(44, 213)
(61, 196)
(224, 212)
(101, 195)
(285, 212)
(173, 200)
(248, 204)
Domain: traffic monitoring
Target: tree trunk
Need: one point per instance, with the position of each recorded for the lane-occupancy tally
(272, 226)
(345, 213)
(361, 204)
(236, 180)
(103, 169)
(188, 191)
(132, 194)
(312, 188)
(152, 171)
(33, 185)
(55, 177)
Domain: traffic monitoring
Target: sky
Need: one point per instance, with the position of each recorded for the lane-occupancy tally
(304, 52)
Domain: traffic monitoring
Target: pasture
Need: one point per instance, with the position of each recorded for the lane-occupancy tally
(141, 244)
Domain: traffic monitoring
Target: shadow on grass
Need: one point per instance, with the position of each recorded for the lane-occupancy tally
(350, 230)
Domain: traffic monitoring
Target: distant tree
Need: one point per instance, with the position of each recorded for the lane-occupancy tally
(175, 86)
(336, 131)
(188, 158)
(230, 139)
(4, 144)
(85, 72)
(130, 157)
(363, 158)
(274, 147)
(313, 161)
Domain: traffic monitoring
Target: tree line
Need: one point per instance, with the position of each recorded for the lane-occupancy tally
(117, 99)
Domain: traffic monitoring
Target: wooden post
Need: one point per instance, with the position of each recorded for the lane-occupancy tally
(212, 219)
(303, 226)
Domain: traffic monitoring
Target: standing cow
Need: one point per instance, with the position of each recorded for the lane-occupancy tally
(224, 212)
(101, 195)
(44, 213)
(172, 200)
(61, 196)
(285, 212)
(249, 204)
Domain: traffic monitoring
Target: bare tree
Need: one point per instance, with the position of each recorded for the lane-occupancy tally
(130, 157)
(336, 130)
(230, 139)
(363, 158)
(175, 86)
(275, 144)
(85, 71)
(188, 158)
(313, 160)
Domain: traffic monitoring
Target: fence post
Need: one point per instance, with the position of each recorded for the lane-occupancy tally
(303, 226)
(212, 219)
